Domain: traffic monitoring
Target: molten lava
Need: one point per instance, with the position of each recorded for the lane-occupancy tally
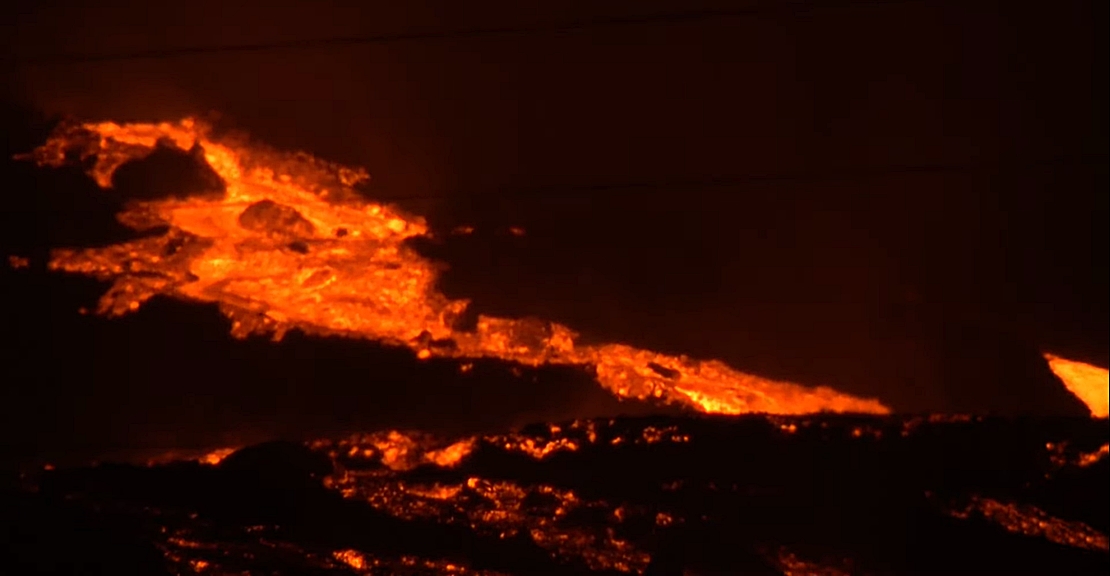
(1090, 384)
(290, 244)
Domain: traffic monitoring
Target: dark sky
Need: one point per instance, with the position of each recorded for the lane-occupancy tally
(903, 199)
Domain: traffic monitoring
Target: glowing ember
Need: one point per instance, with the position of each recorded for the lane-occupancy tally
(1089, 458)
(18, 262)
(791, 565)
(1090, 384)
(505, 509)
(208, 457)
(625, 496)
(1032, 521)
(1060, 455)
(216, 456)
(451, 455)
(291, 245)
(399, 451)
(351, 558)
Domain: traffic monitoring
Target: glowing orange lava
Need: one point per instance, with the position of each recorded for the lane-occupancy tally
(291, 244)
(216, 456)
(18, 262)
(352, 558)
(1032, 521)
(1090, 458)
(1090, 384)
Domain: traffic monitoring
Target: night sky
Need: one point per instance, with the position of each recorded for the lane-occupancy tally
(897, 199)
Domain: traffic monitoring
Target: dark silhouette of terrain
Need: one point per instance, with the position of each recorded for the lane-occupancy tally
(739, 492)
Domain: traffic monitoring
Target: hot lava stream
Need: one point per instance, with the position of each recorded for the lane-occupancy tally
(291, 244)
(1090, 384)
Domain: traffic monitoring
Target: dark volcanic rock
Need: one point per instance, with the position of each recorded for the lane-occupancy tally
(278, 459)
(42, 535)
(276, 219)
(168, 172)
(985, 371)
(711, 496)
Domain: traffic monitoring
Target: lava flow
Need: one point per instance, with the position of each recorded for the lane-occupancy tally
(1090, 384)
(290, 244)
(599, 495)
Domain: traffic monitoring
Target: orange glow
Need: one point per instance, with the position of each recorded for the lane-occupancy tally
(216, 456)
(1090, 384)
(398, 450)
(451, 455)
(1060, 455)
(292, 245)
(1034, 522)
(352, 558)
(18, 262)
(505, 509)
(1089, 458)
(543, 513)
(792, 565)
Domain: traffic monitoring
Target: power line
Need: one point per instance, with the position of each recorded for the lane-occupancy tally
(789, 6)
